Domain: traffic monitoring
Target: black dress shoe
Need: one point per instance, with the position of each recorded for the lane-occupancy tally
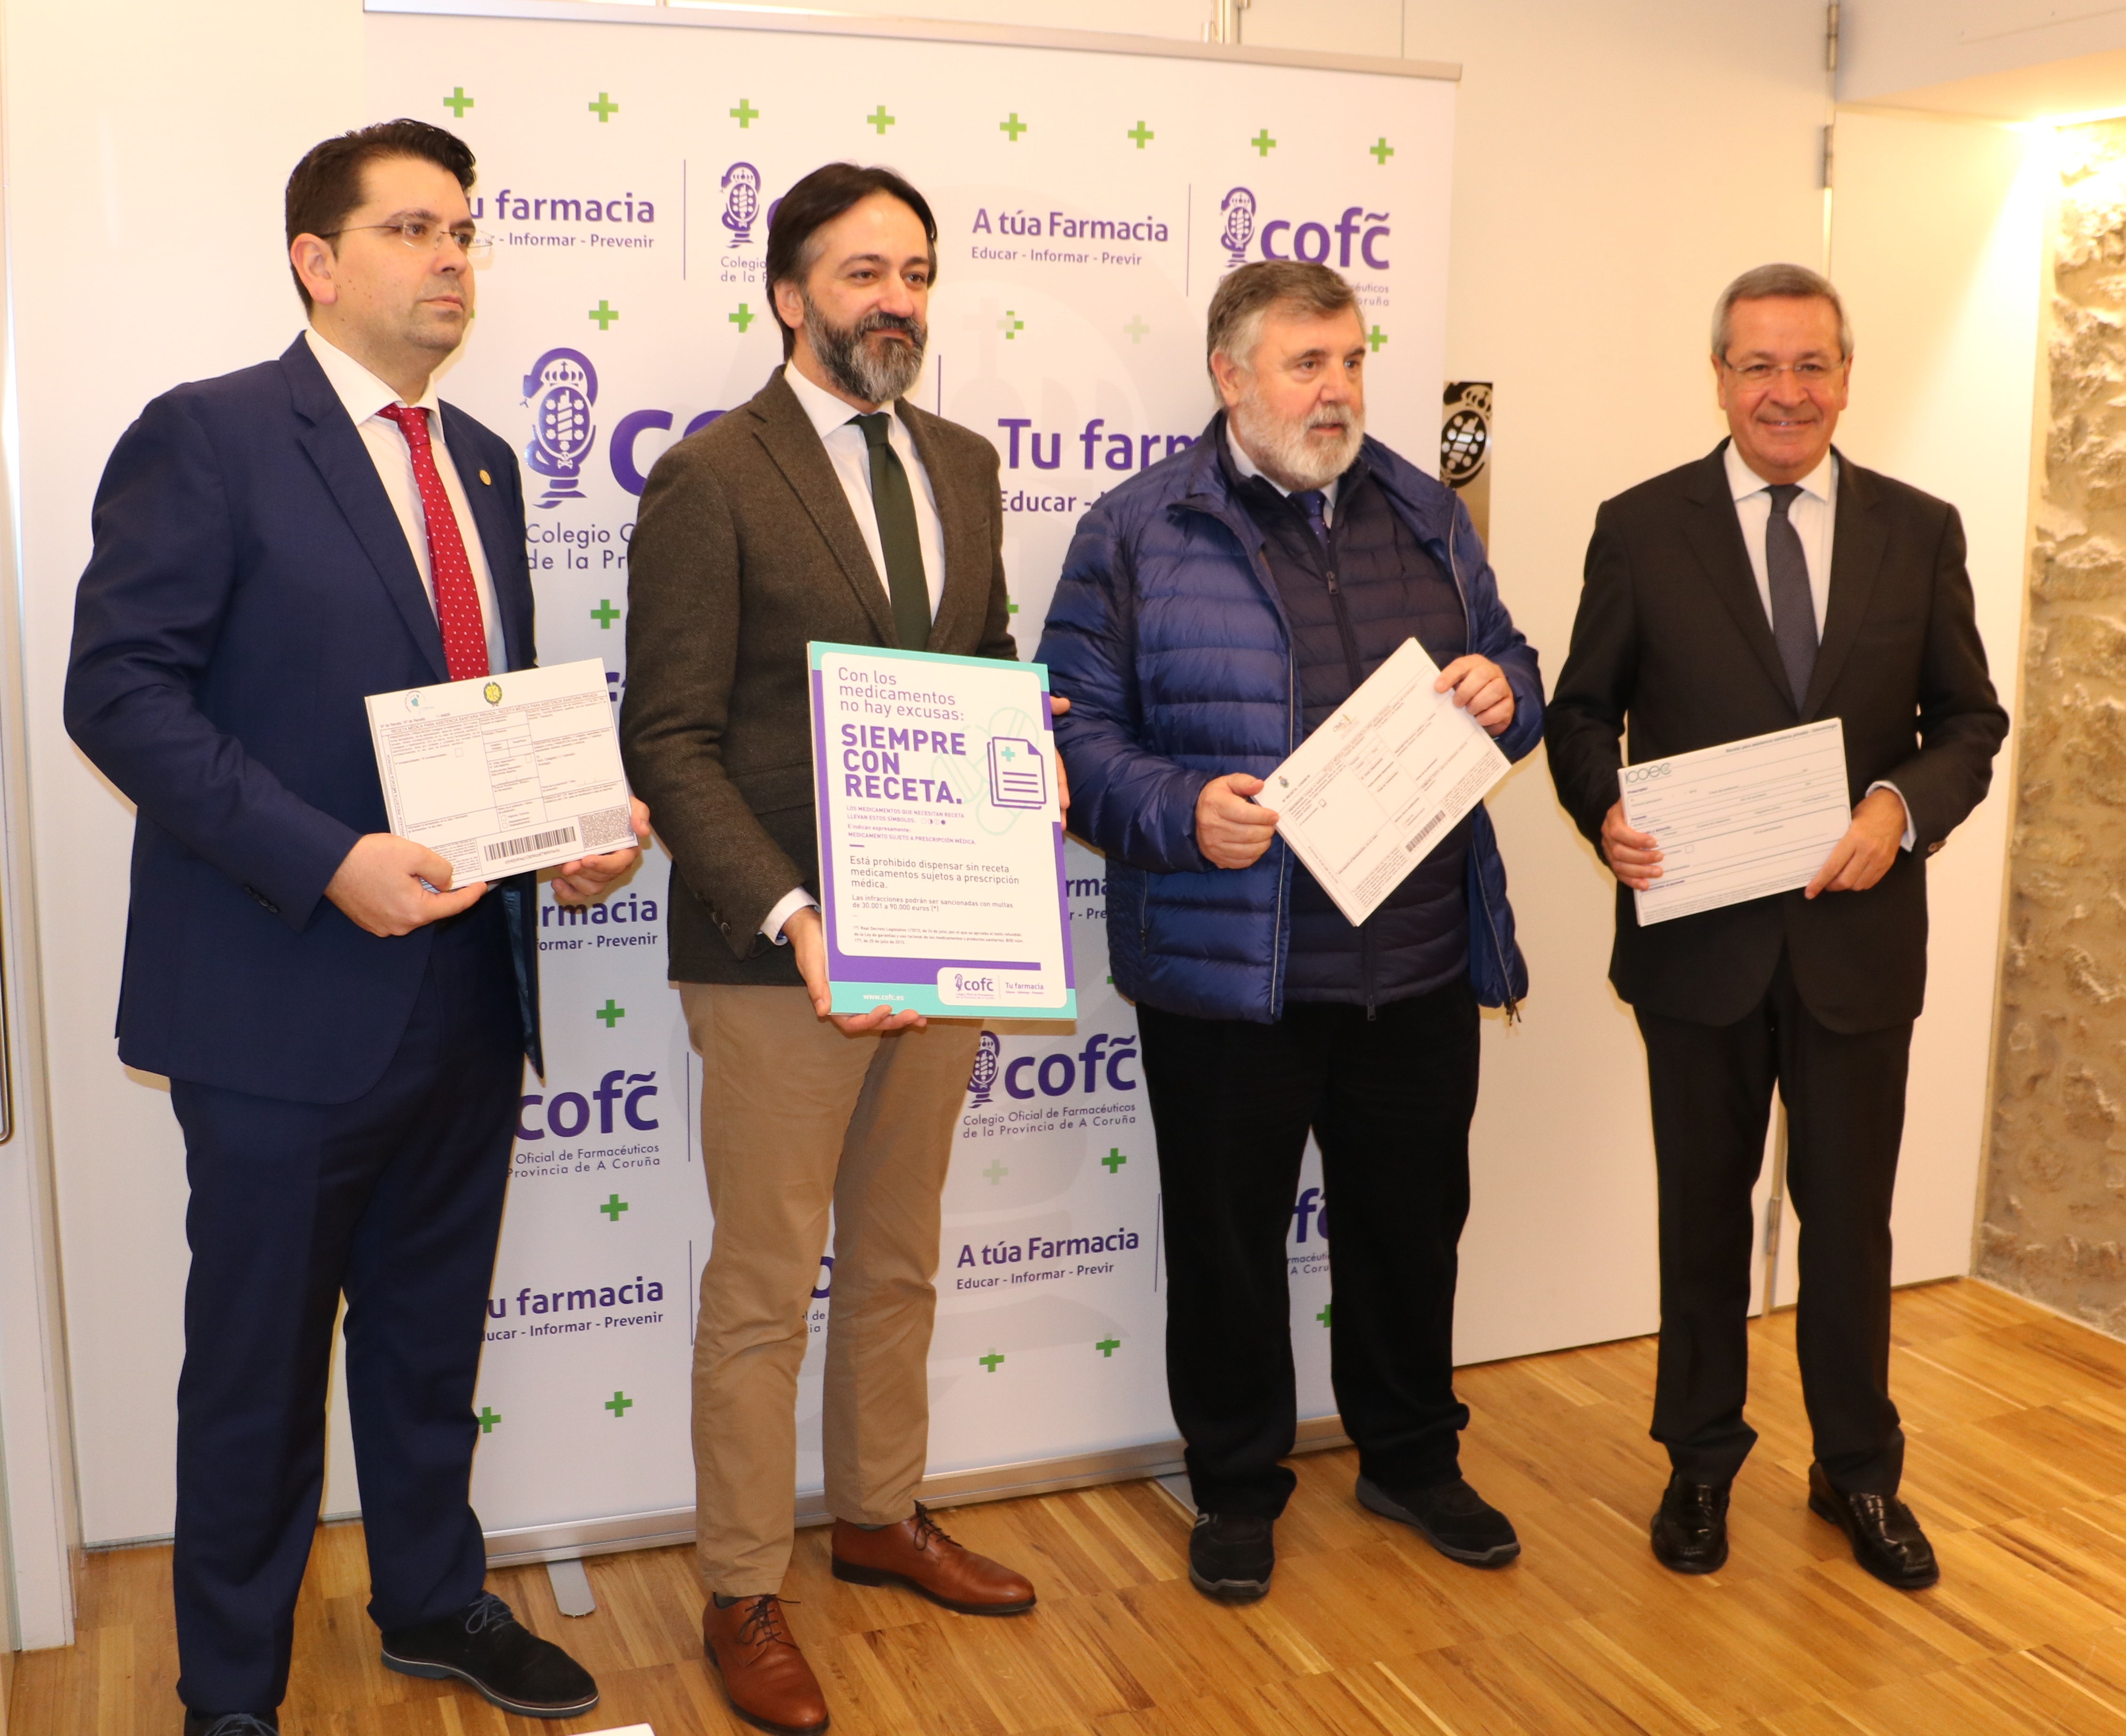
(231, 1724)
(1451, 1517)
(1690, 1527)
(1231, 1556)
(486, 1646)
(1886, 1539)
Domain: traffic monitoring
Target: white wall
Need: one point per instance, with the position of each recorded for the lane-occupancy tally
(1605, 190)
(1890, 48)
(1938, 247)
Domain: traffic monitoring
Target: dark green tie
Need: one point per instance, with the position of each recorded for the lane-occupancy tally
(896, 507)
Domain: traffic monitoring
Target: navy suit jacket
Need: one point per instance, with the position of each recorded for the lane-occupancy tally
(250, 586)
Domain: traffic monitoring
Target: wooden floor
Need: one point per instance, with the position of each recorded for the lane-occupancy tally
(2017, 1465)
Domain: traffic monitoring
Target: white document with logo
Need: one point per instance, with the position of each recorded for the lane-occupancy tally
(1371, 793)
(504, 773)
(1741, 820)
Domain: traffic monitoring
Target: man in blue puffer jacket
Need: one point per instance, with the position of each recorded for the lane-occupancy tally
(1211, 612)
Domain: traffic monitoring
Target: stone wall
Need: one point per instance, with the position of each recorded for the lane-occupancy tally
(2054, 1212)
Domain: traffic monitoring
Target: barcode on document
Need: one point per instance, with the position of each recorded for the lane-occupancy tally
(509, 847)
(1431, 826)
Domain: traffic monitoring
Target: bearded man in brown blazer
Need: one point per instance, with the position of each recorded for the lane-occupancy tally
(826, 508)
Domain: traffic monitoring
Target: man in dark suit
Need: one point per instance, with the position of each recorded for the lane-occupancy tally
(1772, 583)
(828, 508)
(344, 1030)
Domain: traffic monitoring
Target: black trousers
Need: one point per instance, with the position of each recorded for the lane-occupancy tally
(1844, 1093)
(1389, 1101)
(396, 1199)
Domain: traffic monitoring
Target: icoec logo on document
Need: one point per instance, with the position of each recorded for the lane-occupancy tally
(492, 693)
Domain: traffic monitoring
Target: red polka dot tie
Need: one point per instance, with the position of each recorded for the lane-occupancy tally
(457, 597)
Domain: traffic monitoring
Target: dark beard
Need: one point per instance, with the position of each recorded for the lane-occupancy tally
(877, 376)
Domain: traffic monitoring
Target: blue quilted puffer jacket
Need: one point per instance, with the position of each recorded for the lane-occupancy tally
(1169, 638)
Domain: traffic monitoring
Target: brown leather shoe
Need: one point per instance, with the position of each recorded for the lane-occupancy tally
(769, 1684)
(918, 1555)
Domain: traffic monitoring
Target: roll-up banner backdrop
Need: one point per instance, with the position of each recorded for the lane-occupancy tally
(1090, 196)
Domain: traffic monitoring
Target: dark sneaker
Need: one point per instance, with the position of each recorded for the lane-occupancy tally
(1451, 1517)
(1231, 1556)
(231, 1724)
(487, 1648)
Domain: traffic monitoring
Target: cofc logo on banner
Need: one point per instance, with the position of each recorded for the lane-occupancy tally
(1357, 232)
(1057, 1073)
(568, 1112)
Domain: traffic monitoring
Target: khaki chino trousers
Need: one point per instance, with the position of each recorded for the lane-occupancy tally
(796, 1119)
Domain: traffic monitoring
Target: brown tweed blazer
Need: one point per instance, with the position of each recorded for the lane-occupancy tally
(745, 549)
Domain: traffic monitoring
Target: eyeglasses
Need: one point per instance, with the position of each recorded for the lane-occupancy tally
(425, 237)
(1805, 374)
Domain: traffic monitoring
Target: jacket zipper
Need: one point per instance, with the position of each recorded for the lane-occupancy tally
(1368, 971)
(1490, 925)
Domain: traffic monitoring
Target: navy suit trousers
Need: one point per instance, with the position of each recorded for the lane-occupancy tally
(395, 1198)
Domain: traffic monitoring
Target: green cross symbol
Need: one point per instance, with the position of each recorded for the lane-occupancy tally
(1136, 329)
(488, 1419)
(605, 108)
(1263, 143)
(1014, 126)
(996, 1171)
(1108, 1346)
(614, 1207)
(1011, 609)
(1380, 150)
(1375, 338)
(881, 119)
(457, 102)
(1114, 1159)
(610, 1014)
(1323, 1317)
(990, 1361)
(604, 316)
(1142, 133)
(746, 114)
(1010, 325)
(742, 318)
(1011, 753)
(618, 1405)
(605, 614)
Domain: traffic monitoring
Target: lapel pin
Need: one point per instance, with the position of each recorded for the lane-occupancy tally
(487, 478)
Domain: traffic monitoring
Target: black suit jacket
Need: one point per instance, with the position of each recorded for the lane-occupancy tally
(1672, 644)
(250, 585)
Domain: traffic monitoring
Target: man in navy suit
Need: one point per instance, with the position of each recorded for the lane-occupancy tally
(343, 1028)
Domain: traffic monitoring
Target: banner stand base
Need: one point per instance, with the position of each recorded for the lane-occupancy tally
(571, 1539)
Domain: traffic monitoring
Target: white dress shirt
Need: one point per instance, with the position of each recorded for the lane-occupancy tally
(1813, 513)
(364, 395)
(850, 454)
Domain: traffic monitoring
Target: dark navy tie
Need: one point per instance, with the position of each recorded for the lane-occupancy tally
(1312, 502)
(1793, 606)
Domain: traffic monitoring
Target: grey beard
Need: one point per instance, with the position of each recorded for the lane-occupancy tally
(877, 376)
(1284, 452)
